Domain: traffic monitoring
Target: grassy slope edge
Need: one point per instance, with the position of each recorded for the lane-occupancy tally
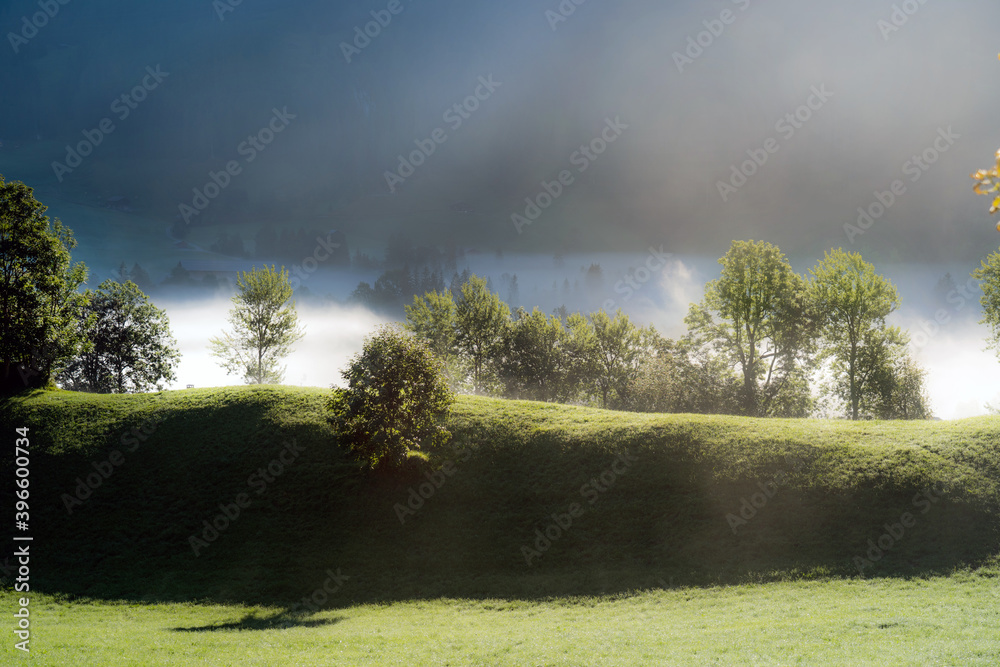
(662, 518)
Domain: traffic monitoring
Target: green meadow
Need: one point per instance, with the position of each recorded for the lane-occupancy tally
(224, 526)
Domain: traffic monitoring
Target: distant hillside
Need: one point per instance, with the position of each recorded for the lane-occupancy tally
(644, 500)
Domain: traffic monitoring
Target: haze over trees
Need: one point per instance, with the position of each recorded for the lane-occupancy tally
(264, 325)
(759, 344)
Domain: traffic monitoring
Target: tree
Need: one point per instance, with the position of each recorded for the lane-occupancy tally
(395, 401)
(264, 327)
(680, 378)
(579, 352)
(853, 302)
(534, 365)
(39, 302)
(899, 389)
(482, 320)
(131, 349)
(618, 349)
(989, 274)
(431, 318)
(763, 324)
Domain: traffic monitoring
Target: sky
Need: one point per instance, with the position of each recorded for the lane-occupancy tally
(531, 129)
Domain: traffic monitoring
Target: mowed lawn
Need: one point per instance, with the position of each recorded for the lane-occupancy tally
(936, 621)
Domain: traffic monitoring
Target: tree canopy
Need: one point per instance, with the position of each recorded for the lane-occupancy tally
(756, 314)
(264, 327)
(130, 348)
(853, 301)
(40, 305)
(395, 400)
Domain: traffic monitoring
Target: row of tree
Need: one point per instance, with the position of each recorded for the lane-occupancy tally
(111, 339)
(756, 345)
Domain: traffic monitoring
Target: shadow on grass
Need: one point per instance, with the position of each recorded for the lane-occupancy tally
(281, 621)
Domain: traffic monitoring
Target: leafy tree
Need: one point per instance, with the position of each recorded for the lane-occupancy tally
(680, 378)
(395, 400)
(131, 348)
(39, 302)
(431, 318)
(899, 389)
(534, 365)
(989, 274)
(264, 327)
(853, 302)
(580, 356)
(482, 320)
(618, 349)
(756, 314)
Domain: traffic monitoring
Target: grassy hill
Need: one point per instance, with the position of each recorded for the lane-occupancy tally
(667, 511)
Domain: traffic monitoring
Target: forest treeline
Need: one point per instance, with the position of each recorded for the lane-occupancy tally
(765, 341)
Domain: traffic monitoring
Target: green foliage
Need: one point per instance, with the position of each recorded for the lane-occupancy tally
(763, 326)
(395, 400)
(431, 318)
(130, 347)
(899, 389)
(679, 378)
(264, 327)
(989, 274)
(482, 320)
(619, 347)
(533, 362)
(852, 301)
(39, 301)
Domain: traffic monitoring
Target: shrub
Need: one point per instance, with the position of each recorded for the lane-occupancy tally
(395, 400)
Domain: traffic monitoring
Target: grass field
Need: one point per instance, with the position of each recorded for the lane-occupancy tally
(937, 621)
(544, 534)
